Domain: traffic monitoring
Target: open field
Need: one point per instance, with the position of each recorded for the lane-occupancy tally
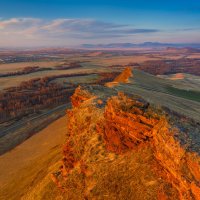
(42, 150)
(195, 55)
(123, 60)
(23, 129)
(112, 59)
(187, 82)
(6, 82)
(98, 62)
(4, 68)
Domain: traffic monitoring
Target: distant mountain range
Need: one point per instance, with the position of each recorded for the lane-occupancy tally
(141, 45)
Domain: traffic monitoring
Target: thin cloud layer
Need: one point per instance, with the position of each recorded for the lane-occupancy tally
(91, 28)
(41, 31)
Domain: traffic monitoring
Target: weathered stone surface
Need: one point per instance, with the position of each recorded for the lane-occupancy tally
(110, 136)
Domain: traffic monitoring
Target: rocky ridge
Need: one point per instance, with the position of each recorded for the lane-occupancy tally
(121, 147)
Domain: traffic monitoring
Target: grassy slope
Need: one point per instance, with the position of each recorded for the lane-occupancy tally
(189, 82)
(23, 167)
(156, 90)
(192, 95)
(22, 129)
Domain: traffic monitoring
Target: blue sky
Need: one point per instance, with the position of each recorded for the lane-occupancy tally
(73, 22)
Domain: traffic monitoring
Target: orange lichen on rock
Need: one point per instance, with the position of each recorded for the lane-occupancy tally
(195, 191)
(170, 156)
(125, 125)
(122, 78)
(193, 162)
(177, 164)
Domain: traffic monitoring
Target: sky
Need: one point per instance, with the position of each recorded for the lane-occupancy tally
(32, 23)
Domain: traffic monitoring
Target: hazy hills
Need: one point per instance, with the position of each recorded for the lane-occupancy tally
(141, 45)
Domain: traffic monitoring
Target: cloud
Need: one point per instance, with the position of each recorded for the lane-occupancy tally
(90, 29)
(19, 23)
(69, 32)
(33, 30)
(189, 29)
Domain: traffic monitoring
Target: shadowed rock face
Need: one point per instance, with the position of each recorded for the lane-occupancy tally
(124, 149)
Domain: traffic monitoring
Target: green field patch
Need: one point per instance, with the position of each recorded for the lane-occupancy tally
(186, 94)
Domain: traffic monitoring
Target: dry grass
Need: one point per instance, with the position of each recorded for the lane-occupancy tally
(123, 60)
(26, 165)
(5, 68)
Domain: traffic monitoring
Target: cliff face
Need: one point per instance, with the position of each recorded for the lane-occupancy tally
(123, 149)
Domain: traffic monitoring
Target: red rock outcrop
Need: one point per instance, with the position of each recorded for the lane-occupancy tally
(80, 96)
(101, 137)
(122, 78)
(125, 124)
